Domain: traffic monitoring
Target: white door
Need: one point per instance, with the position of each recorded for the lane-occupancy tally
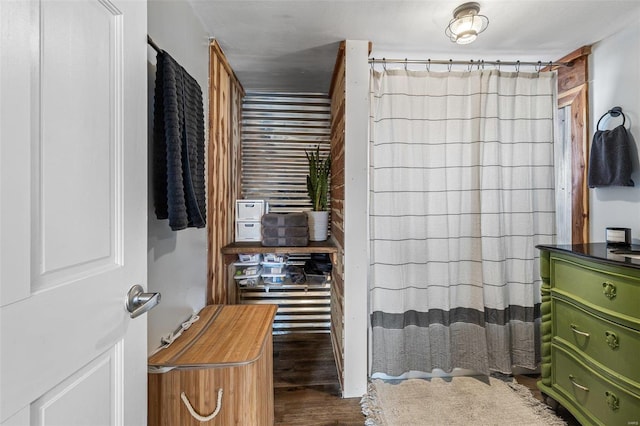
(72, 211)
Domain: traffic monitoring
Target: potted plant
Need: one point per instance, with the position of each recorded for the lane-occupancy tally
(318, 188)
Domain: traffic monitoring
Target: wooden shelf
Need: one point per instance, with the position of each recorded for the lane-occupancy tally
(256, 247)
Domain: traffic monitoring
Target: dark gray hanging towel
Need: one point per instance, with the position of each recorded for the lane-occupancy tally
(178, 133)
(610, 160)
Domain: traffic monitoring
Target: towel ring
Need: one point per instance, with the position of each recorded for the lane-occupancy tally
(614, 112)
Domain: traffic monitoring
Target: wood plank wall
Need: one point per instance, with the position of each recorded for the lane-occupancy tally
(223, 167)
(337, 95)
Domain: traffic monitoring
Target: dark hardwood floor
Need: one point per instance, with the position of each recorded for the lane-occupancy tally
(307, 391)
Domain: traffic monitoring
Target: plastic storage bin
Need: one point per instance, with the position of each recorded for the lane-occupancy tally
(248, 280)
(273, 279)
(247, 268)
(251, 258)
(274, 268)
(275, 258)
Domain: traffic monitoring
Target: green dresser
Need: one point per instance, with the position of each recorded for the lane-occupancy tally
(591, 333)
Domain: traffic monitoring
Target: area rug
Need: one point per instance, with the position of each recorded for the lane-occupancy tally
(477, 400)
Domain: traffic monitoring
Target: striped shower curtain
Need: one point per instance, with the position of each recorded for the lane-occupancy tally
(462, 189)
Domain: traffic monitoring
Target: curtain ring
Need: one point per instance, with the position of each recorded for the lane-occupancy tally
(372, 63)
(517, 66)
(450, 64)
(429, 64)
(470, 67)
(384, 63)
(482, 62)
(405, 64)
(498, 64)
(539, 67)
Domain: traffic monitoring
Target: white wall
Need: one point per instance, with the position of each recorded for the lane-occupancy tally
(356, 190)
(177, 261)
(615, 81)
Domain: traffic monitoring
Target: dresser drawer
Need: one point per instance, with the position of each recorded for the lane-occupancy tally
(613, 346)
(591, 393)
(616, 295)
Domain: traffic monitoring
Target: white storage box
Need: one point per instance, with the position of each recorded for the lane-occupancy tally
(274, 268)
(273, 279)
(248, 231)
(249, 209)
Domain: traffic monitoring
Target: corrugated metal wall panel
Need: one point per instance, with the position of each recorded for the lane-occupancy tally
(277, 129)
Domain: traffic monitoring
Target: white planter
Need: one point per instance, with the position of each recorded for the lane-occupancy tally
(318, 225)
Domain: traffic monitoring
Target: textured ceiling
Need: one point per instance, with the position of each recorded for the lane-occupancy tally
(291, 45)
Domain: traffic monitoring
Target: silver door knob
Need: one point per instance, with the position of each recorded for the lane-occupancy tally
(139, 302)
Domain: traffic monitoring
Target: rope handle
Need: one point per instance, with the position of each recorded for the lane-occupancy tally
(197, 416)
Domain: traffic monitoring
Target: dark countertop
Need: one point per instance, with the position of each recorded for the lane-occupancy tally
(599, 252)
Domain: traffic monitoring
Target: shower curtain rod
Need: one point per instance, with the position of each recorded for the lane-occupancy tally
(151, 43)
(471, 63)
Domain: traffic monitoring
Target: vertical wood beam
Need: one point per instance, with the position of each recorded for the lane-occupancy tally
(225, 99)
(337, 95)
(573, 91)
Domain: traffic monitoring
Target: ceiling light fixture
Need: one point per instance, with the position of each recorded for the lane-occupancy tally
(466, 23)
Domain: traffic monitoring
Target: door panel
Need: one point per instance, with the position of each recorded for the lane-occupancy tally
(80, 147)
(15, 125)
(96, 380)
(73, 155)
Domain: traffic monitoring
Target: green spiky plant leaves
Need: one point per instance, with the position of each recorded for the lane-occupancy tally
(318, 179)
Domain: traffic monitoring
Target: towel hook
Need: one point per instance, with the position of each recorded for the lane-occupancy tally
(614, 112)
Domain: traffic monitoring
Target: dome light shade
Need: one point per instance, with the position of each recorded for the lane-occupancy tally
(466, 23)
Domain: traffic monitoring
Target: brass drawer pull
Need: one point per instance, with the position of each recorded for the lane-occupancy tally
(578, 385)
(609, 290)
(612, 400)
(574, 328)
(612, 339)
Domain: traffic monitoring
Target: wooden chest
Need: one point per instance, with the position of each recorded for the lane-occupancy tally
(227, 355)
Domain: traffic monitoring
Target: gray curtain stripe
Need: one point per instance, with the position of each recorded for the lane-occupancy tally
(465, 143)
(453, 261)
(436, 120)
(470, 166)
(446, 191)
(461, 237)
(462, 95)
(506, 212)
(449, 285)
(464, 315)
